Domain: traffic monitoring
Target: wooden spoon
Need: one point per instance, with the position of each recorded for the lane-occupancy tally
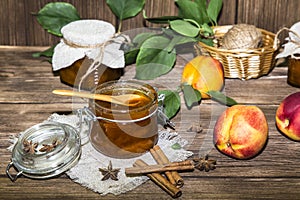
(123, 99)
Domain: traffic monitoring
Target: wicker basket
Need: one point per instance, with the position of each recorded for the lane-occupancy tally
(239, 63)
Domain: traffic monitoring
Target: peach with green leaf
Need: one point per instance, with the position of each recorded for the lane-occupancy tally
(204, 74)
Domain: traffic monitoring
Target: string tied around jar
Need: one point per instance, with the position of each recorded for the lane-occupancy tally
(90, 40)
(99, 58)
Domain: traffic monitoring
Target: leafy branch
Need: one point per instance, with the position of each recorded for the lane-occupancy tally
(154, 53)
(125, 9)
(53, 16)
(157, 53)
(172, 102)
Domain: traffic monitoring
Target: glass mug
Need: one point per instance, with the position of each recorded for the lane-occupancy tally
(124, 131)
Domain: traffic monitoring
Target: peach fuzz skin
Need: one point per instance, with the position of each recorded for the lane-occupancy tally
(241, 131)
(204, 73)
(288, 116)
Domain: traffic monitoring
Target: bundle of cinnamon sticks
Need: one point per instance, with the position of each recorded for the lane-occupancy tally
(172, 181)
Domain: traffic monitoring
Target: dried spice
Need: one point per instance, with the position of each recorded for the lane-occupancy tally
(49, 147)
(204, 164)
(109, 172)
(195, 127)
(29, 147)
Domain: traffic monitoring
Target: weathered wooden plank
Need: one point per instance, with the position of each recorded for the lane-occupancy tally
(271, 15)
(228, 12)
(4, 35)
(35, 71)
(275, 173)
(194, 188)
(19, 27)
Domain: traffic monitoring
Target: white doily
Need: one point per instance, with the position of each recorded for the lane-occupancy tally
(86, 171)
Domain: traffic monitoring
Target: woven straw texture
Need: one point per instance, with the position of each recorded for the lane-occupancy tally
(241, 63)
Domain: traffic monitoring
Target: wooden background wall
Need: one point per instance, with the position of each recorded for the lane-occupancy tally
(19, 27)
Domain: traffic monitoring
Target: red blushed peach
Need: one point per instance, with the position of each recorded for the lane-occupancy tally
(241, 131)
(288, 116)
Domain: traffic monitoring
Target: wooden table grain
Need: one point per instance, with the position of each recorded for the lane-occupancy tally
(25, 100)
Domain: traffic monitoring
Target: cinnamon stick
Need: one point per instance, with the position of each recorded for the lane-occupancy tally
(158, 159)
(174, 166)
(163, 159)
(160, 180)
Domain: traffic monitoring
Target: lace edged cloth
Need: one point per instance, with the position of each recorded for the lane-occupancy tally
(86, 171)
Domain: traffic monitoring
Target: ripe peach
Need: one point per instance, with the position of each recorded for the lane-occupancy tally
(241, 131)
(204, 73)
(288, 116)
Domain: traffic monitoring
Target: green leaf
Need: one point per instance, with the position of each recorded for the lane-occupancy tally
(47, 53)
(140, 38)
(176, 146)
(191, 10)
(191, 96)
(207, 29)
(163, 19)
(131, 54)
(220, 97)
(201, 3)
(213, 9)
(208, 42)
(178, 39)
(171, 102)
(185, 28)
(153, 59)
(53, 16)
(125, 9)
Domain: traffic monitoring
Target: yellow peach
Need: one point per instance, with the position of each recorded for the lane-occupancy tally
(241, 131)
(204, 73)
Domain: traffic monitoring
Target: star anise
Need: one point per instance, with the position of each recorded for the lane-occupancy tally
(49, 147)
(29, 147)
(195, 127)
(204, 164)
(109, 172)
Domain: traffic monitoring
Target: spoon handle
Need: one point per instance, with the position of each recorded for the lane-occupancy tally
(83, 95)
(125, 99)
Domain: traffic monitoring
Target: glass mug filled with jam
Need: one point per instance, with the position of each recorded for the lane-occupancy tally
(125, 131)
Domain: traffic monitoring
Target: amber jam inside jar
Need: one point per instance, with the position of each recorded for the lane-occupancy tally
(125, 131)
(294, 72)
(72, 75)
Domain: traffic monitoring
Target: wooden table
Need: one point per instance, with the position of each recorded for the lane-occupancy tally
(26, 99)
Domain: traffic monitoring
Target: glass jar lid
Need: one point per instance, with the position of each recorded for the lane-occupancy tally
(45, 150)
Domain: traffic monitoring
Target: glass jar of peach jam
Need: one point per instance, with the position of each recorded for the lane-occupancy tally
(125, 131)
(72, 74)
(88, 54)
(294, 72)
